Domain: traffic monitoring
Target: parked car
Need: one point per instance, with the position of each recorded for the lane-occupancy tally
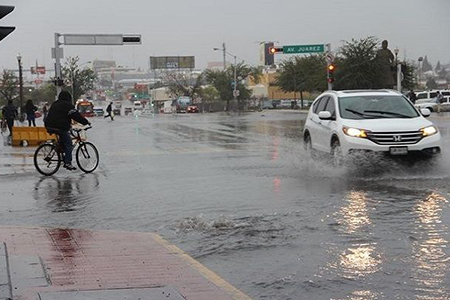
(99, 112)
(267, 104)
(383, 122)
(192, 109)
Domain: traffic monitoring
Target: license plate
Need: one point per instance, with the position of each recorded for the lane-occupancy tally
(398, 150)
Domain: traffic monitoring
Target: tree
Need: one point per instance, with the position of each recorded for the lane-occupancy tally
(303, 74)
(409, 76)
(8, 88)
(81, 81)
(46, 93)
(438, 66)
(357, 66)
(431, 84)
(223, 82)
(184, 85)
(426, 66)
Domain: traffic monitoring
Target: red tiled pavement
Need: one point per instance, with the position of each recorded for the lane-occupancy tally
(76, 259)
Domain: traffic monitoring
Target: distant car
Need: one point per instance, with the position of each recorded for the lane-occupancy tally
(384, 122)
(128, 110)
(192, 109)
(99, 112)
(426, 103)
(137, 105)
(267, 104)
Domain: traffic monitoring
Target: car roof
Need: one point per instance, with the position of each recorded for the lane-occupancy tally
(347, 93)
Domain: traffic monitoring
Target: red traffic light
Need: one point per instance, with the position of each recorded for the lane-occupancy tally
(273, 50)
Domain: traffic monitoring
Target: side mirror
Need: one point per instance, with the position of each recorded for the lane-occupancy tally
(425, 112)
(325, 115)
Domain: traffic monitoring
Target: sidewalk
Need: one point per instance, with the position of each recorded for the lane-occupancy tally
(75, 264)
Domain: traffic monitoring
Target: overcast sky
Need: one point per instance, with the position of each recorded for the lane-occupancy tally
(195, 27)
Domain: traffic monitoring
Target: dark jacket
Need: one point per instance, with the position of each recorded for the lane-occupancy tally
(61, 113)
(10, 112)
(30, 110)
(109, 108)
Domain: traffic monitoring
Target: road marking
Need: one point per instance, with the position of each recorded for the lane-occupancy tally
(205, 272)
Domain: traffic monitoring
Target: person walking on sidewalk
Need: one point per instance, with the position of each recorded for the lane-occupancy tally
(58, 120)
(45, 110)
(110, 111)
(30, 110)
(439, 99)
(10, 113)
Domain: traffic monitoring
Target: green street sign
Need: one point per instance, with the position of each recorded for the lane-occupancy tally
(319, 48)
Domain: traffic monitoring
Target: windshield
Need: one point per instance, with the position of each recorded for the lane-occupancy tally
(376, 107)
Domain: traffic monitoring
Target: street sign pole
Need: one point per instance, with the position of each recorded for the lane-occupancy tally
(58, 74)
(399, 77)
(90, 40)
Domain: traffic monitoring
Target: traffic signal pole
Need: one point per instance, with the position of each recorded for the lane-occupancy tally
(329, 63)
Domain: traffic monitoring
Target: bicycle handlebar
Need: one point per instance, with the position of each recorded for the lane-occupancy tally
(82, 129)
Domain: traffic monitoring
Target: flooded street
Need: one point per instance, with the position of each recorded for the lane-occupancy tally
(239, 194)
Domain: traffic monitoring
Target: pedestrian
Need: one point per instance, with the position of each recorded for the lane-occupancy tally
(45, 110)
(412, 97)
(110, 111)
(30, 110)
(58, 121)
(439, 99)
(10, 113)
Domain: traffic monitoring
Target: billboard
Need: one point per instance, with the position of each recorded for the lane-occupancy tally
(38, 70)
(172, 62)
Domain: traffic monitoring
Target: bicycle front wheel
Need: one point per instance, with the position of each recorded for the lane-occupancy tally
(87, 157)
(47, 159)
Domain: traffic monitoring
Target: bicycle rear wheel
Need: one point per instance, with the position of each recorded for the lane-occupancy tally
(47, 159)
(87, 157)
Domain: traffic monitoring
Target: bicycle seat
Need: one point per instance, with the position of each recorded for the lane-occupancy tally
(53, 130)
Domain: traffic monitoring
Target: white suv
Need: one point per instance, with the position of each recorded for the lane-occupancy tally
(381, 121)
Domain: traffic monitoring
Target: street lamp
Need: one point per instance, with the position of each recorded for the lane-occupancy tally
(396, 50)
(420, 66)
(19, 60)
(224, 49)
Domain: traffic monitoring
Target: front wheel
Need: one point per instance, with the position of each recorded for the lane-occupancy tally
(87, 157)
(337, 156)
(47, 159)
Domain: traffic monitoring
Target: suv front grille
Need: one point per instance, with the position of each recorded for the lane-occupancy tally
(395, 138)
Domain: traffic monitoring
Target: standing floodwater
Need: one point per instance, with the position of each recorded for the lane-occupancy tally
(238, 193)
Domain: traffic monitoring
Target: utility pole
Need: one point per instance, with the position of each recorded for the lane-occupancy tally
(224, 49)
(235, 91)
(19, 60)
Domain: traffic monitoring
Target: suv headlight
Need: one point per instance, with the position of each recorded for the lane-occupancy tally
(355, 132)
(430, 130)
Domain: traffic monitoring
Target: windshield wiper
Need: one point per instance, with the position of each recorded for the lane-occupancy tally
(355, 112)
(387, 113)
(363, 115)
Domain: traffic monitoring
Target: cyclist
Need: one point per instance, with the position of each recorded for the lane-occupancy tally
(58, 121)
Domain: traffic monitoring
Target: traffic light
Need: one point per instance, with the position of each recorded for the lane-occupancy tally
(5, 30)
(330, 73)
(273, 50)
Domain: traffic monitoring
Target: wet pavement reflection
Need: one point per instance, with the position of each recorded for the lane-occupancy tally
(238, 193)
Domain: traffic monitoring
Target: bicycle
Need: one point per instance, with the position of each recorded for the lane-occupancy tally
(49, 155)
